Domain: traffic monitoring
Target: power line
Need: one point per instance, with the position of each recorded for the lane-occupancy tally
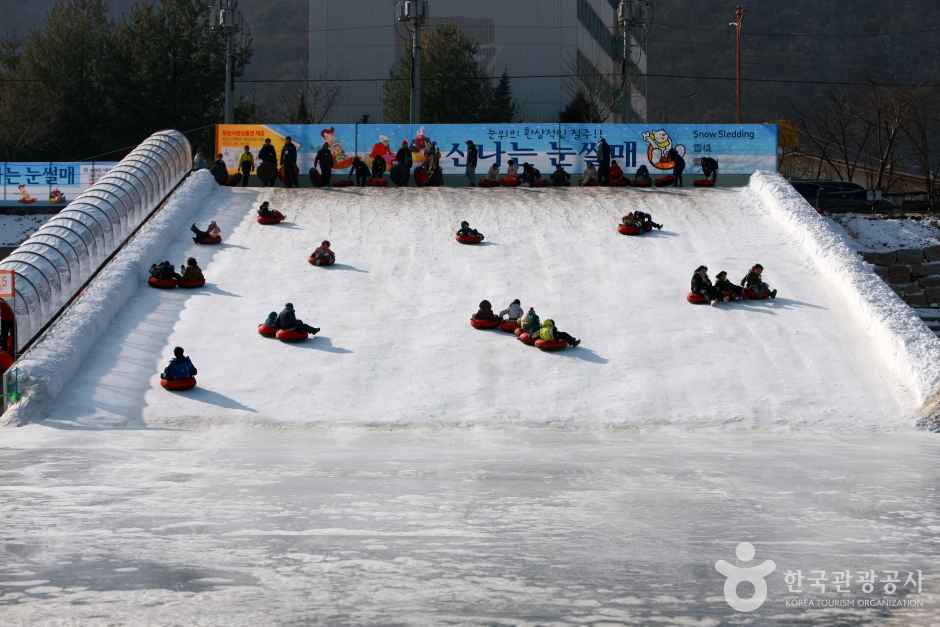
(820, 36)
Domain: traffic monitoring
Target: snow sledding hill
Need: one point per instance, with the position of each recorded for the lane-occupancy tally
(396, 346)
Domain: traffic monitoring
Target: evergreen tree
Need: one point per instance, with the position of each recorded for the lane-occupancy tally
(581, 109)
(454, 87)
(501, 105)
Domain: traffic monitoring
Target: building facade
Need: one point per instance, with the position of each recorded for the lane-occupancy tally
(548, 47)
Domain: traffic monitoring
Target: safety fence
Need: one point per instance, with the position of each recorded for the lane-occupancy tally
(56, 261)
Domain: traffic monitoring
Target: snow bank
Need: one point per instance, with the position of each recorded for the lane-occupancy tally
(59, 354)
(910, 348)
(880, 234)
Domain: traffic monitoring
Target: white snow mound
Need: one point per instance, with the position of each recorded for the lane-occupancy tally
(836, 350)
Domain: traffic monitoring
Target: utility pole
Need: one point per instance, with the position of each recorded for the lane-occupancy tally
(738, 25)
(222, 16)
(633, 17)
(415, 13)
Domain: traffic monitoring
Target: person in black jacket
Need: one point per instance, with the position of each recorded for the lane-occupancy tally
(710, 169)
(267, 171)
(180, 367)
(164, 271)
(220, 170)
(702, 285)
(725, 289)
(288, 321)
(465, 230)
(471, 163)
(560, 178)
(378, 168)
(603, 162)
(324, 160)
(754, 281)
(485, 312)
(359, 170)
(401, 171)
(678, 166)
(289, 163)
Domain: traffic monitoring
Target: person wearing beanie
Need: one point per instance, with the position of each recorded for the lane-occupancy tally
(288, 321)
(550, 333)
(726, 290)
(754, 282)
(485, 312)
(702, 285)
(180, 367)
(530, 322)
(514, 312)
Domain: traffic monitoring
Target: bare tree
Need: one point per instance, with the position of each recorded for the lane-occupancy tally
(311, 105)
(920, 128)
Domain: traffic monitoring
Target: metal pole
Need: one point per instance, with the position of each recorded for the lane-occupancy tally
(228, 76)
(739, 70)
(416, 65)
(624, 24)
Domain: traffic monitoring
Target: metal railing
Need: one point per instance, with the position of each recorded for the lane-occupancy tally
(53, 264)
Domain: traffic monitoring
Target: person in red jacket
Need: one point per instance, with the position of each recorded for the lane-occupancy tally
(7, 320)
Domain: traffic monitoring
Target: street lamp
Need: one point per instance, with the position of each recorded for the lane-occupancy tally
(415, 13)
(222, 16)
(738, 25)
(632, 16)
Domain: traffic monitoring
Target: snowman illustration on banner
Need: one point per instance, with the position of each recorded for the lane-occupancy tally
(658, 145)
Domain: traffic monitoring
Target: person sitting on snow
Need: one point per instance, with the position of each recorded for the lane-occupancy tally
(180, 367)
(493, 173)
(512, 168)
(324, 254)
(754, 281)
(466, 231)
(264, 210)
(646, 221)
(550, 333)
(514, 312)
(530, 322)
(633, 219)
(287, 321)
(643, 176)
(530, 173)
(616, 173)
(164, 271)
(271, 320)
(702, 285)
(590, 175)
(560, 177)
(360, 171)
(485, 312)
(191, 271)
(212, 232)
(725, 289)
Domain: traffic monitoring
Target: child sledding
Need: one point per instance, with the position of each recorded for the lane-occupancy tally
(703, 292)
(286, 327)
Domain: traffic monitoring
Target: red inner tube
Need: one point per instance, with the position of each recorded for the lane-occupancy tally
(6, 360)
(539, 183)
(696, 299)
(551, 345)
(378, 182)
(178, 384)
(526, 339)
(484, 324)
(704, 183)
(510, 181)
(210, 240)
(469, 239)
(191, 284)
(272, 219)
(267, 331)
(488, 183)
(663, 181)
(641, 183)
(628, 230)
(162, 284)
(291, 335)
(752, 295)
(316, 262)
(509, 326)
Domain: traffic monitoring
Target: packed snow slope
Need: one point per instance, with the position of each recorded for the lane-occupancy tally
(396, 346)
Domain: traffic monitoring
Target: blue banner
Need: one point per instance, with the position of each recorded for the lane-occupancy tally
(28, 182)
(738, 148)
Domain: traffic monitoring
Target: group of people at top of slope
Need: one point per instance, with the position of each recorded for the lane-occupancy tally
(723, 290)
(528, 321)
(429, 173)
